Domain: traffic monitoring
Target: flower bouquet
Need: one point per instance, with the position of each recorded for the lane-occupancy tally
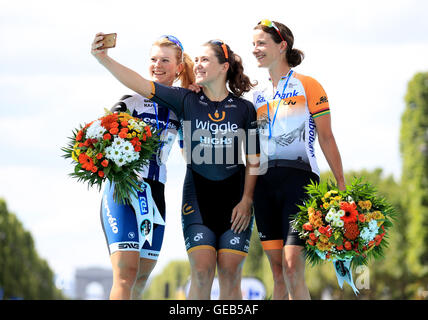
(113, 147)
(345, 227)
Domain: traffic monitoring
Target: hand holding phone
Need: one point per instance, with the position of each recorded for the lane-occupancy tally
(109, 41)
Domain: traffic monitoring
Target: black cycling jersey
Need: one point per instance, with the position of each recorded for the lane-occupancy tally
(214, 132)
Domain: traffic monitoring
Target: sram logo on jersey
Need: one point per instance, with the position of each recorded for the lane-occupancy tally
(127, 245)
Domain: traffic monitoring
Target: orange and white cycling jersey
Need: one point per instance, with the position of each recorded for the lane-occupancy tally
(286, 121)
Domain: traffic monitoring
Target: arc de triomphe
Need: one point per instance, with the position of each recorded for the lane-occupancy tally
(86, 276)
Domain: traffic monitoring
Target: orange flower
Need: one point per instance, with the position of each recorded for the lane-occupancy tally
(101, 174)
(122, 134)
(308, 227)
(104, 163)
(148, 131)
(79, 135)
(107, 121)
(348, 245)
(313, 237)
(340, 248)
(361, 218)
(87, 162)
(124, 123)
(378, 239)
(94, 169)
(315, 219)
(350, 212)
(134, 141)
(114, 130)
(351, 231)
(137, 148)
(107, 136)
(310, 242)
(327, 231)
(99, 156)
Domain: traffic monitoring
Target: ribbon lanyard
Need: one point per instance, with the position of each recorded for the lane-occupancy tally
(157, 121)
(277, 107)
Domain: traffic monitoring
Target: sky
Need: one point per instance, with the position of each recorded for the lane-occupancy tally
(362, 52)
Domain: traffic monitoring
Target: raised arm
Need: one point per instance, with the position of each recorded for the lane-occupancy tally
(128, 77)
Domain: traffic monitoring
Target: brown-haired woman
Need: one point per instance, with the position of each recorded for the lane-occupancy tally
(289, 117)
(133, 256)
(218, 187)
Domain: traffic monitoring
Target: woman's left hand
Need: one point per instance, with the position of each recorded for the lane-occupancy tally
(194, 87)
(241, 215)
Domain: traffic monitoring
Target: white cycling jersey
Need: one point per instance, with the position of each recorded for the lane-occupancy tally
(160, 118)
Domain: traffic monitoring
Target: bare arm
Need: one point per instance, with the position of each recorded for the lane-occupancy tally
(126, 76)
(329, 148)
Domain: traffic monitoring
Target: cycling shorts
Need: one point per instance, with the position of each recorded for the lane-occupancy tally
(124, 231)
(207, 210)
(276, 196)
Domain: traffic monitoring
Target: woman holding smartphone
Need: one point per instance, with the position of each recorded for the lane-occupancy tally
(290, 113)
(132, 257)
(218, 187)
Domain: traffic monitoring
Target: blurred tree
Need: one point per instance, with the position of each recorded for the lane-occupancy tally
(257, 264)
(22, 273)
(174, 277)
(414, 151)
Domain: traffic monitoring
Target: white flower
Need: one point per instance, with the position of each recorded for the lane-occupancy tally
(341, 213)
(349, 199)
(367, 235)
(338, 223)
(118, 142)
(373, 226)
(95, 130)
(136, 126)
(120, 161)
(113, 153)
(126, 147)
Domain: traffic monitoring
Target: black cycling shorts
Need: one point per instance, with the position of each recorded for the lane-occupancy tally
(276, 196)
(207, 210)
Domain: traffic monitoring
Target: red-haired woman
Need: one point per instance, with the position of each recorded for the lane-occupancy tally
(133, 255)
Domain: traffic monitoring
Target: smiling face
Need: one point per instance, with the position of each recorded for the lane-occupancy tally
(207, 67)
(164, 66)
(267, 51)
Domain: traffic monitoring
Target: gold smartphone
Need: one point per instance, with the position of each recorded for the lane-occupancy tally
(109, 41)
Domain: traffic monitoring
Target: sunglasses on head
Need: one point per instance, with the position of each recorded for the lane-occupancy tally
(173, 39)
(223, 46)
(271, 24)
